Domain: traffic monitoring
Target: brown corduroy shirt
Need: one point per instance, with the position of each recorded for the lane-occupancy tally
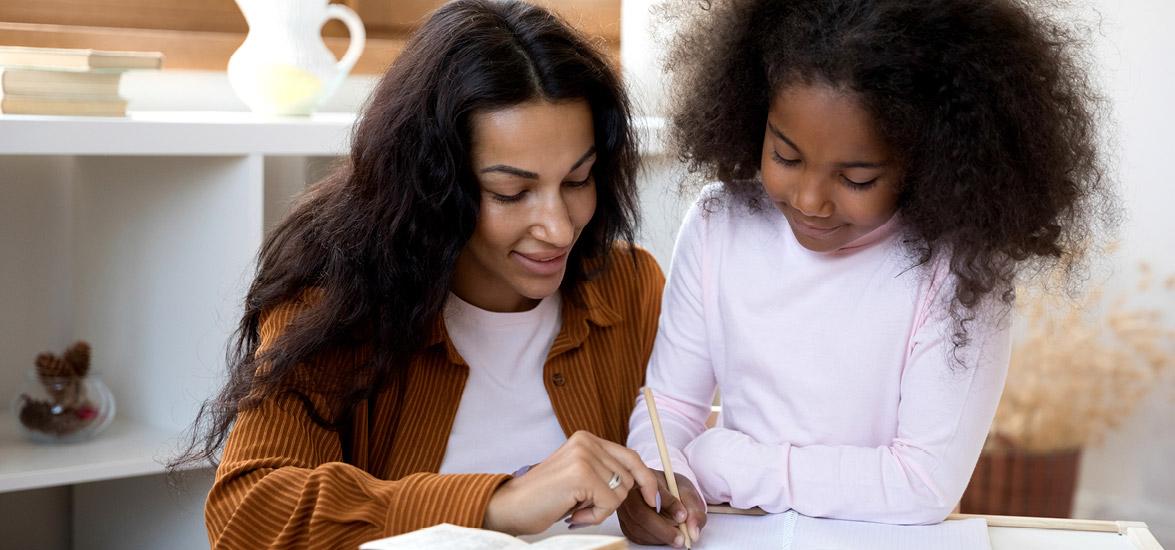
(282, 482)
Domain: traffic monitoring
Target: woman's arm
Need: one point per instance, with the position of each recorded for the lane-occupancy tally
(281, 483)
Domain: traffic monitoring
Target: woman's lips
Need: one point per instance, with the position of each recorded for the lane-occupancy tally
(542, 264)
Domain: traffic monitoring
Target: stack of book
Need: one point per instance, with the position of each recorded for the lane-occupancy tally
(52, 81)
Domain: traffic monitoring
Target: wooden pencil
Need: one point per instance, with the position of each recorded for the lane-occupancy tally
(670, 480)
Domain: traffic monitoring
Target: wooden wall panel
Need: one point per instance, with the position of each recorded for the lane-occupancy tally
(202, 34)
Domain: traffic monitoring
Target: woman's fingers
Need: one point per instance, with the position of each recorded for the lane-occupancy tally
(585, 481)
(642, 476)
(591, 470)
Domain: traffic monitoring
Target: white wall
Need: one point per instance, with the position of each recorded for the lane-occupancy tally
(1130, 475)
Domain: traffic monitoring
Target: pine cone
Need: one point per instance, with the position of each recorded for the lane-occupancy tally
(52, 366)
(78, 357)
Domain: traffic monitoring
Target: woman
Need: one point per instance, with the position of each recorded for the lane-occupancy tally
(459, 301)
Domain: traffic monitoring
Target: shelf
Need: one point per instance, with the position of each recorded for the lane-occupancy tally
(209, 133)
(125, 449)
(194, 133)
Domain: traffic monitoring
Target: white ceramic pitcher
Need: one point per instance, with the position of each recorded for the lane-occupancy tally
(284, 68)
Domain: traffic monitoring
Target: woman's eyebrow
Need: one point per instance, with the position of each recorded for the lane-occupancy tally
(590, 152)
(510, 170)
(515, 171)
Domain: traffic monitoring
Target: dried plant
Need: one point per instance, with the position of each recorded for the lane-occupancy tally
(1080, 367)
(68, 408)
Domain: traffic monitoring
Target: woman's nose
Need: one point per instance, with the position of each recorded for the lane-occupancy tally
(553, 224)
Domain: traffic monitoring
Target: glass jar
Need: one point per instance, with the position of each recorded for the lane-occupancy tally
(63, 409)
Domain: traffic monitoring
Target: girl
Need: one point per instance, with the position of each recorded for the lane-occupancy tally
(887, 168)
(459, 300)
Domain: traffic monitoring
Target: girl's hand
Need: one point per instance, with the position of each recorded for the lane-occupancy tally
(642, 524)
(572, 483)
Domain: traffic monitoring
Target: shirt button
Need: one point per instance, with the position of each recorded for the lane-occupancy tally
(558, 379)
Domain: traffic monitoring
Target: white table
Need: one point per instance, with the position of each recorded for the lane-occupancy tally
(1005, 532)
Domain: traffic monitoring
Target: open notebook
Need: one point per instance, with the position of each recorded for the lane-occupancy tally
(791, 531)
(452, 537)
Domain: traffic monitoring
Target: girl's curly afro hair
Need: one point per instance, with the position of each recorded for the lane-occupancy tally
(986, 103)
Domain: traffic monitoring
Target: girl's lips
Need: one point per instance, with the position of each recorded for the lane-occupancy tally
(814, 231)
(544, 265)
(806, 229)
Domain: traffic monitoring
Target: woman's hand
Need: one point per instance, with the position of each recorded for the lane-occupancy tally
(573, 480)
(642, 524)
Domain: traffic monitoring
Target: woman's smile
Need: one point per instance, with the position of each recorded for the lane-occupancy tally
(543, 263)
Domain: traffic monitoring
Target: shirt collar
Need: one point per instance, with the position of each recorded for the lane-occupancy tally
(587, 307)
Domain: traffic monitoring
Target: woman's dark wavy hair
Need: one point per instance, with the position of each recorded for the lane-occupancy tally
(987, 104)
(378, 239)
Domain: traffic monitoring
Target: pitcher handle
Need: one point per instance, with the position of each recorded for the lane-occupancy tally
(355, 29)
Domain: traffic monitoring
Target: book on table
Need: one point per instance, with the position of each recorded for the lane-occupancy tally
(452, 537)
(78, 59)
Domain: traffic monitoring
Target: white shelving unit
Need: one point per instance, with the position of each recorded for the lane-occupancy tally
(137, 235)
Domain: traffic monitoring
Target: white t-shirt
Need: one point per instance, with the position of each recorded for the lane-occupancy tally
(505, 419)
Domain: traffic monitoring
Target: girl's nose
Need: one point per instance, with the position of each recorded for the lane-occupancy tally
(810, 197)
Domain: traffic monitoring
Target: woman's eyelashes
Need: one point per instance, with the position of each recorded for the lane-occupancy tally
(575, 184)
(579, 183)
(850, 183)
(508, 198)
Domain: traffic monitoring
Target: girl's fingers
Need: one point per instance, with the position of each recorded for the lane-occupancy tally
(673, 509)
(692, 502)
(662, 528)
(637, 531)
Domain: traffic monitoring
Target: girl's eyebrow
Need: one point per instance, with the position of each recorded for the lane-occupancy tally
(780, 135)
(515, 171)
(841, 165)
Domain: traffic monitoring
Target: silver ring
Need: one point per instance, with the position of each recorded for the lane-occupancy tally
(615, 481)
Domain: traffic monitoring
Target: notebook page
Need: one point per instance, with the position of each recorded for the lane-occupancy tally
(722, 532)
(832, 534)
(445, 536)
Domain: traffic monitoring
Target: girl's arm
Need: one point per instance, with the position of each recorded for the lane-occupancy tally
(943, 419)
(679, 373)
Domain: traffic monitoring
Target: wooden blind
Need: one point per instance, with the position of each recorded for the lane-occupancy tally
(202, 34)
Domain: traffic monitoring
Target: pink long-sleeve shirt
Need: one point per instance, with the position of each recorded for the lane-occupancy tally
(839, 395)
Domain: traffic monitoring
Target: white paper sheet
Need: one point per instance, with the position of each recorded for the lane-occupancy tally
(791, 531)
(831, 534)
(722, 532)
